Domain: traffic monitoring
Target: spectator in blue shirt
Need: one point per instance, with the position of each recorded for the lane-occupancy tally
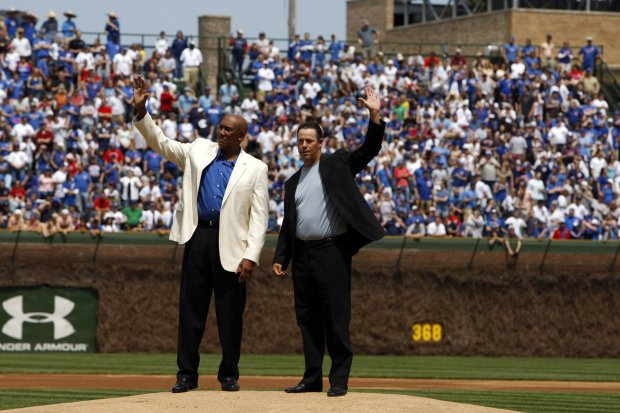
(69, 27)
(294, 48)
(178, 45)
(510, 51)
(589, 55)
(83, 185)
(153, 162)
(113, 26)
(11, 23)
(565, 56)
(335, 47)
(528, 48)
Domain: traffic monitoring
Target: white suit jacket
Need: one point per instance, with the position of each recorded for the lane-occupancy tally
(245, 206)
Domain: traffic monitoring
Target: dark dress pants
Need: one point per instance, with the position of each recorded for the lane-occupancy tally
(322, 285)
(202, 274)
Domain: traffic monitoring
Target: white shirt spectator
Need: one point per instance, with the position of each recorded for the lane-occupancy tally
(147, 219)
(20, 130)
(187, 131)
(165, 216)
(267, 140)
(150, 190)
(130, 188)
(191, 57)
(117, 219)
(558, 134)
(433, 229)
(17, 159)
(134, 55)
(556, 216)
(596, 165)
(58, 178)
(517, 224)
(265, 78)
(483, 192)
(580, 210)
(170, 128)
(85, 60)
(390, 73)
(312, 88)
(537, 187)
(22, 46)
(12, 59)
(118, 107)
(123, 64)
(249, 107)
(541, 213)
(518, 145)
(161, 45)
(474, 226)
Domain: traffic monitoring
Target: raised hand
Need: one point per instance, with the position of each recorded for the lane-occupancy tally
(372, 103)
(140, 95)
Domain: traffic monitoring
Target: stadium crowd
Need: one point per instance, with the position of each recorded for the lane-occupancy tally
(518, 145)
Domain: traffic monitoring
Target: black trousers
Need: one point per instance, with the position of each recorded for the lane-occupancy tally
(202, 274)
(322, 285)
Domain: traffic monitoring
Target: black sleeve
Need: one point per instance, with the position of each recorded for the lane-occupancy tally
(359, 158)
(284, 248)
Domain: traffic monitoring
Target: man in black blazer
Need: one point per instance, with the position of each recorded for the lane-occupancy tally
(326, 221)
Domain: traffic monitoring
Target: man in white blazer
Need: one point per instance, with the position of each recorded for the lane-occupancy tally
(222, 220)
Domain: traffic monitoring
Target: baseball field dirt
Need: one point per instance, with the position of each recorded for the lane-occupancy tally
(164, 382)
(261, 401)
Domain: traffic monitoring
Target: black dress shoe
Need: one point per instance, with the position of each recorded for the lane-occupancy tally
(336, 391)
(184, 384)
(230, 384)
(303, 388)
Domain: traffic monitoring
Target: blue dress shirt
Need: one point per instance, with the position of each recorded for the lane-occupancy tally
(213, 184)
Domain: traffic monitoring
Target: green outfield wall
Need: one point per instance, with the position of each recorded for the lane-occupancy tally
(433, 296)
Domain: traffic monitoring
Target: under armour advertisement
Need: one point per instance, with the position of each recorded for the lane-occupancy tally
(48, 319)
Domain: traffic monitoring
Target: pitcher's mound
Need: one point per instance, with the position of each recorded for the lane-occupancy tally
(261, 402)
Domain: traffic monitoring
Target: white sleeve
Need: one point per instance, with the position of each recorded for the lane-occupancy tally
(170, 149)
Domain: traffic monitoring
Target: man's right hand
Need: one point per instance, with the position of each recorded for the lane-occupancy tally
(140, 95)
(277, 270)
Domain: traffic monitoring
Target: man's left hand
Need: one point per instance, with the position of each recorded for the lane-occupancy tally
(372, 103)
(245, 269)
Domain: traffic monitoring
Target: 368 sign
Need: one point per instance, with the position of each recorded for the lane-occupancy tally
(427, 333)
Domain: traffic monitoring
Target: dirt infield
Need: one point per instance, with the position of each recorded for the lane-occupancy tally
(164, 382)
(261, 401)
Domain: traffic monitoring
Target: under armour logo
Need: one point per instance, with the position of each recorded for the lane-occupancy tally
(15, 308)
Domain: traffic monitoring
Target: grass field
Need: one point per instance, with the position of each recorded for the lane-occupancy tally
(503, 368)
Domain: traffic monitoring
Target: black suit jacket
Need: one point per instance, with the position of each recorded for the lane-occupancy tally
(338, 173)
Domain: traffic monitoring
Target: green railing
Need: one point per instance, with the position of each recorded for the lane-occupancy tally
(609, 85)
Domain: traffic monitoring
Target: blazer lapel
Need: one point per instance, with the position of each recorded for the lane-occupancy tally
(290, 208)
(238, 170)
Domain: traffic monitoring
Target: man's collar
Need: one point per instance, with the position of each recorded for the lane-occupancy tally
(221, 155)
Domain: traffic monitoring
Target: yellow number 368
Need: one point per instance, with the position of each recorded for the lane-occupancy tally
(427, 333)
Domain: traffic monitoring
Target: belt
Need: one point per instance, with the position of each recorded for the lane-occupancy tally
(318, 242)
(209, 224)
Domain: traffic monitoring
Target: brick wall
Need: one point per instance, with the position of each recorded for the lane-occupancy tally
(496, 27)
(477, 30)
(379, 13)
(571, 26)
(209, 29)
